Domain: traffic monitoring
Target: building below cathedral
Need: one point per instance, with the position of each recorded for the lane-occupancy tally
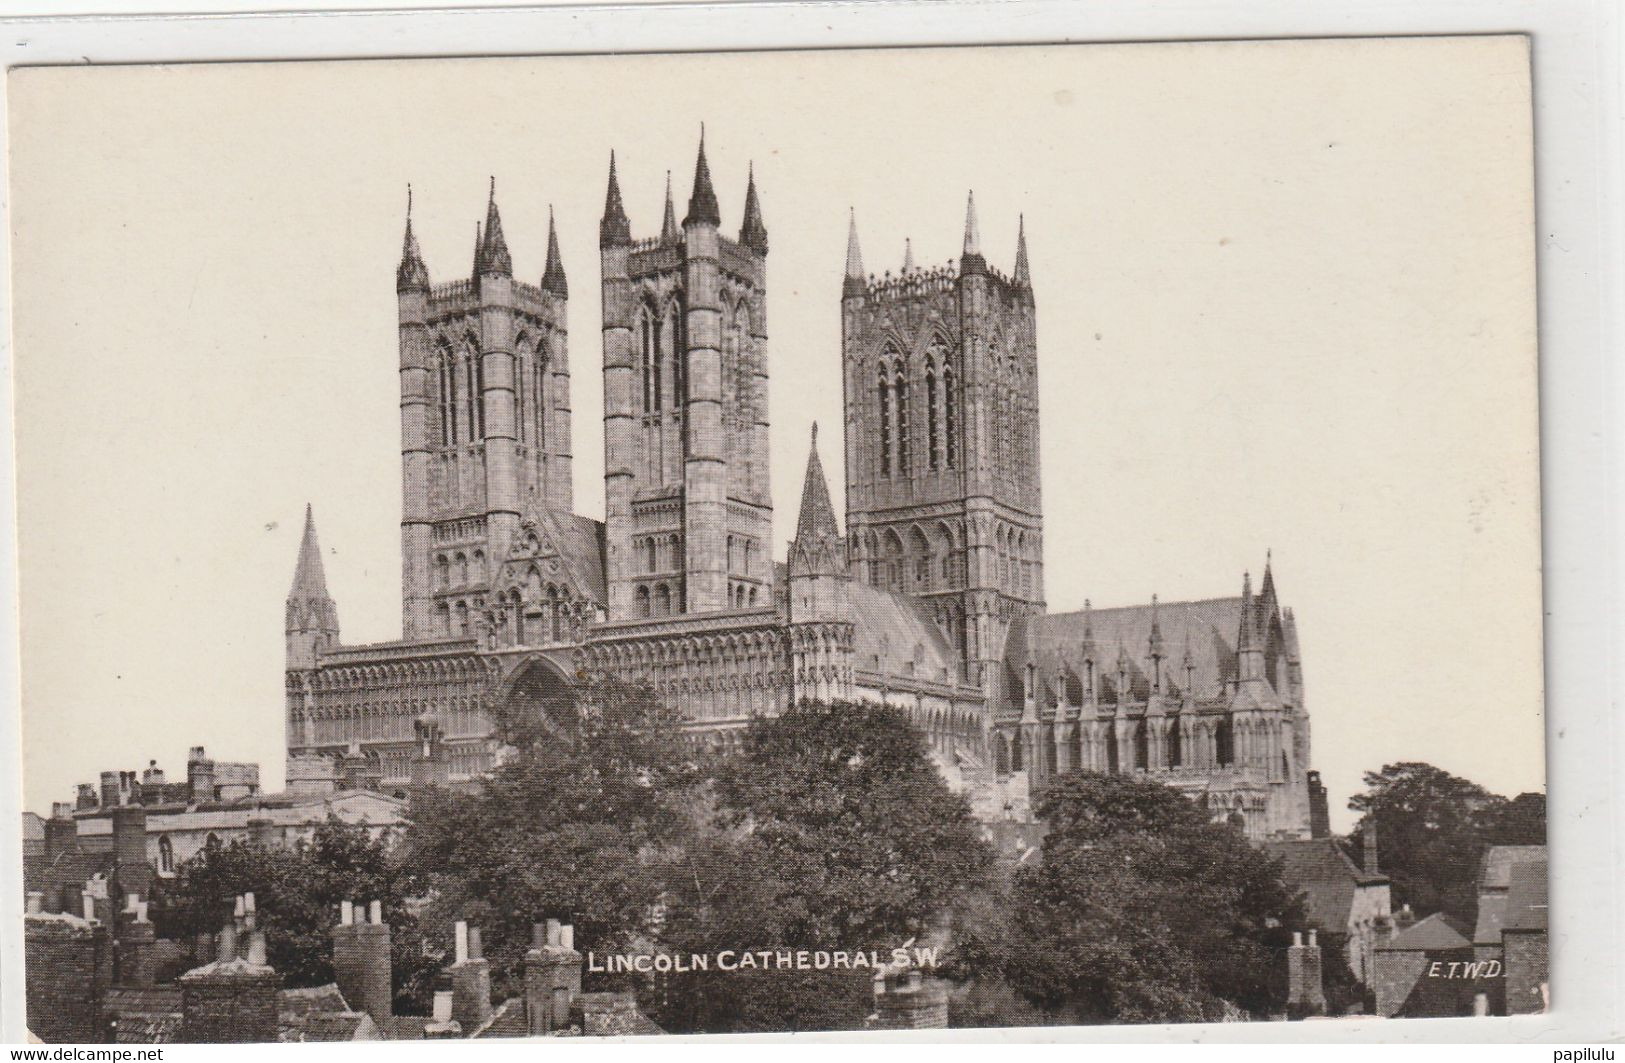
(931, 600)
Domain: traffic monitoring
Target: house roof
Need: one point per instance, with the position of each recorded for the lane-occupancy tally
(320, 1013)
(508, 1020)
(133, 1028)
(1325, 876)
(1494, 880)
(1437, 933)
(150, 1016)
(1526, 898)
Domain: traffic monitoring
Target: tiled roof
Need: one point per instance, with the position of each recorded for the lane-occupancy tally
(1494, 879)
(1437, 933)
(1325, 875)
(156, 999)
(1207, 627)
(406, 1027)
(1495, 869)
(1526, 898)
(889, 629)
(140, 1029)
(508, 1020)
(580, 543)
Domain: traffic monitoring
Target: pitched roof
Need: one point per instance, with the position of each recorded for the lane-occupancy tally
(817, 517)
(1326, 876)
(309, 579)
(580, 542)
(1494, 880)
(1207, 627)
(889, 629)
(1437, 933)
(508, 1020)
(134, 1028)
(1526, 898)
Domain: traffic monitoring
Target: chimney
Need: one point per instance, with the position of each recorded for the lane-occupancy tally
(200, 775)
(1320, 821)
(36, 903)
(552, 977)
(1404, 918)
(233, 1000)
(69, 971)
(110, 789)
(61, 832)
(1368, 847)
(470, 981)
(361, 961)
(133, 951)
(86, 796)
(1305, 990)
(130, 866)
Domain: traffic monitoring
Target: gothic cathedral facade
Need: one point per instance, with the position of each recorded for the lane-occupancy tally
(932, 600)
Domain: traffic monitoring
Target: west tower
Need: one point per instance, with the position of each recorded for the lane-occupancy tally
(485, 424)
(687, 511)
(941, 396)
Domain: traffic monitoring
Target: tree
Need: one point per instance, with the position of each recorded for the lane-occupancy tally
(1143, 910)
(570, 824)
(1432, 828)
(830, 830)
(297, 892)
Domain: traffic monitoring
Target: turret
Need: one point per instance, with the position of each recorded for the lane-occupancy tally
(853, 284)
(705, 502)
(970, 259)
(312, 619)
(818, 569)
(497, 426)
(416, 358)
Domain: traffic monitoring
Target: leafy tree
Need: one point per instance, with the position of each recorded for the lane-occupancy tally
(830, 829)
(1142, 910)
(570, 824)
(1432, 828)
(297, 892)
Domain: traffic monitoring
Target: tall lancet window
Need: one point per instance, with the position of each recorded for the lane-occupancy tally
(519, 393)
(933, 449)
(448, 402)
(646, 359)
(950, 418)
(539, 393)
(904, 462)
(884, 392)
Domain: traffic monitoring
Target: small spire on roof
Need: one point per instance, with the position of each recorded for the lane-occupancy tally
(908, 254)
(494, 251)
(553, 279)
(853, 284)
(614, 229)
(1022, 277)
(702, 201)
(412, 274)
(752, 231)
(668, 221)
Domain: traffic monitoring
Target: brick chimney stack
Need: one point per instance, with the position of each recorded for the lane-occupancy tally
(906, 1001)
(136, 941)
(234, 999)
(61, 831)
(361, 960)
(130, 867)
(470, 981)
(552, 977)
(1305, 990)
(1368, 848)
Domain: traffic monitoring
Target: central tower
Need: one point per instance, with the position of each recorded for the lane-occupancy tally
(687, 511)
(941, 394)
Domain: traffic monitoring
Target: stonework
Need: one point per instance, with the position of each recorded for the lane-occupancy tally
(932, 601)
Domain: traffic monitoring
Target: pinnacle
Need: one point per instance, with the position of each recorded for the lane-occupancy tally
(817, 518)
(702, 201)
(309, 579)
(1022, 275)
(752, 231)
(614, 228)
(973, 239)
(494, 251)
(854, 255)
(668, 223)
(412, 274)
(553, 279)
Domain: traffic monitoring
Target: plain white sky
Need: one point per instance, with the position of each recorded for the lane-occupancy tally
(1285, 299)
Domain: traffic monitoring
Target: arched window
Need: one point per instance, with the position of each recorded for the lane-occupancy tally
(884, 392)
(904, 463)
(933, 452)
(443, 619)
(517, 608)
(462, 569)
(646, 361)
(442, 572)
(649, 555)
(519, 373)
(950, 417)
(1016, 755)
(662, 600)
(643, 601)
(462, 618)
(538, 386)
(166, 855)
(447, 373)
(1001, 755)
(753, 596)
(555, 610)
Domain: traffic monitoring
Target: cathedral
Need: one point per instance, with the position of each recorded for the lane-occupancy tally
(931, 601)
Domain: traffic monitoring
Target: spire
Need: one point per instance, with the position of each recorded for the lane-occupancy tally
(1244, 636)
(752, 233)
(1156, 630)
(479, 253)
(553, 275)
(668, 224)
(817, 519)
(494, 252)
(1022, 276)
(971, 261)
(854, 283)
(908, 254)
(309, 579)
(614, 229)
(702, 201)
(412, 274)
(1266, 592)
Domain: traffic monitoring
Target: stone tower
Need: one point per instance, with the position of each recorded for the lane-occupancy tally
(485, 422)
(312, 618)
(942, 496)
(822, 633)
(687, 512)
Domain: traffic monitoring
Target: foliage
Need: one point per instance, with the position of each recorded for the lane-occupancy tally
(297, 892)
(1432, 828)
(830, 829)
(569, 825)
(1142, 910)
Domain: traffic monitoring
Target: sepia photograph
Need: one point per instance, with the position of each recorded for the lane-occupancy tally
(775, 542)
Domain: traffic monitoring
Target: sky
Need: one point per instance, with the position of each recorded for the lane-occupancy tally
(1285, 303)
